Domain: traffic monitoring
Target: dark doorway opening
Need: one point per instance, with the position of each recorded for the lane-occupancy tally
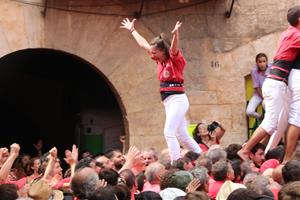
(58, 97)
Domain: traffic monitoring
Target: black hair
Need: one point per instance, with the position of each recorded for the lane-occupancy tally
(232, 150)
(261, 55)
(291, 171)
(85, 162)
(103, 193)
(110, 154)
(110, 176)
(245, 194)
(192, 155)
(236, 166)
(276, 153)
(140, 180)
(257, 147)
(179, 163)
(8, 192)
(293, 15)
(148, 195)
(196, 137)
(122, 192)
(128, 177)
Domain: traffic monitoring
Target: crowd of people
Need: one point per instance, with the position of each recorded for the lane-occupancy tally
(217, 173)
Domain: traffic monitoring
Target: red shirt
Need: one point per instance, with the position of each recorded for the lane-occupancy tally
(286, 54)
(61, 183)
(172, 70)
(214, 188)
(275, 193)
(289, 45)
(203, 147)
(19, 183)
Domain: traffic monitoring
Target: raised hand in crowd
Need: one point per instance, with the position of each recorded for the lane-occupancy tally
(71, 157)
(14, 150)
(53, 153)
(132, 155)
(193, 185)
(51, 162)
(3, 155)
(6, 167)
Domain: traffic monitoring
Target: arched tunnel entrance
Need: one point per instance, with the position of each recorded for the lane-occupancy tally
(58, 97)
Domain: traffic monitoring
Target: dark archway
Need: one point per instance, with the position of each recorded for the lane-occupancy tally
(59, 97)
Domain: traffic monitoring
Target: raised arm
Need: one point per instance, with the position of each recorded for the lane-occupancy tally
(220, 131)
(52, 159)
(129, 25)
(13, 154)
(72, 158)
(175, 39)
(131, 156)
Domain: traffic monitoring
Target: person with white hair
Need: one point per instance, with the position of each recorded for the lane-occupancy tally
(153, 173)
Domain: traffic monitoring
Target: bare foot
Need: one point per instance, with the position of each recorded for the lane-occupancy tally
(244, 155)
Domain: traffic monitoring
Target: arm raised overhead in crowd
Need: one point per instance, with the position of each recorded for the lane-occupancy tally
(72, 158)
(6, 167)
(220, 131)
(216, 131)
(3, 153)
(175, 39)
(129, 25)
(52, 159)
(193, 185)
(131, 156)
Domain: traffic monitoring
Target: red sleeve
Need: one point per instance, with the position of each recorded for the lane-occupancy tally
(296, 42)
(178, 59)
(19, 183)
(61, 183)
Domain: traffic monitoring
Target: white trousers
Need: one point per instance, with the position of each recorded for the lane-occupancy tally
(294, 85)
(175, 130)
(276, 99)
(252, 105)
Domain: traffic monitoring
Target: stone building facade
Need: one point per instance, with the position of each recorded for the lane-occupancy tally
(219, 51)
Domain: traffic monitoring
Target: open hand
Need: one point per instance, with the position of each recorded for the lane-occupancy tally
(193, 185)
(127, 24)
(132, 154)
(177, 26)
(71, 156)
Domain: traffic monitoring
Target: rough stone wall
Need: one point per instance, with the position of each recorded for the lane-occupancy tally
(21, 27)
(219, 51)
